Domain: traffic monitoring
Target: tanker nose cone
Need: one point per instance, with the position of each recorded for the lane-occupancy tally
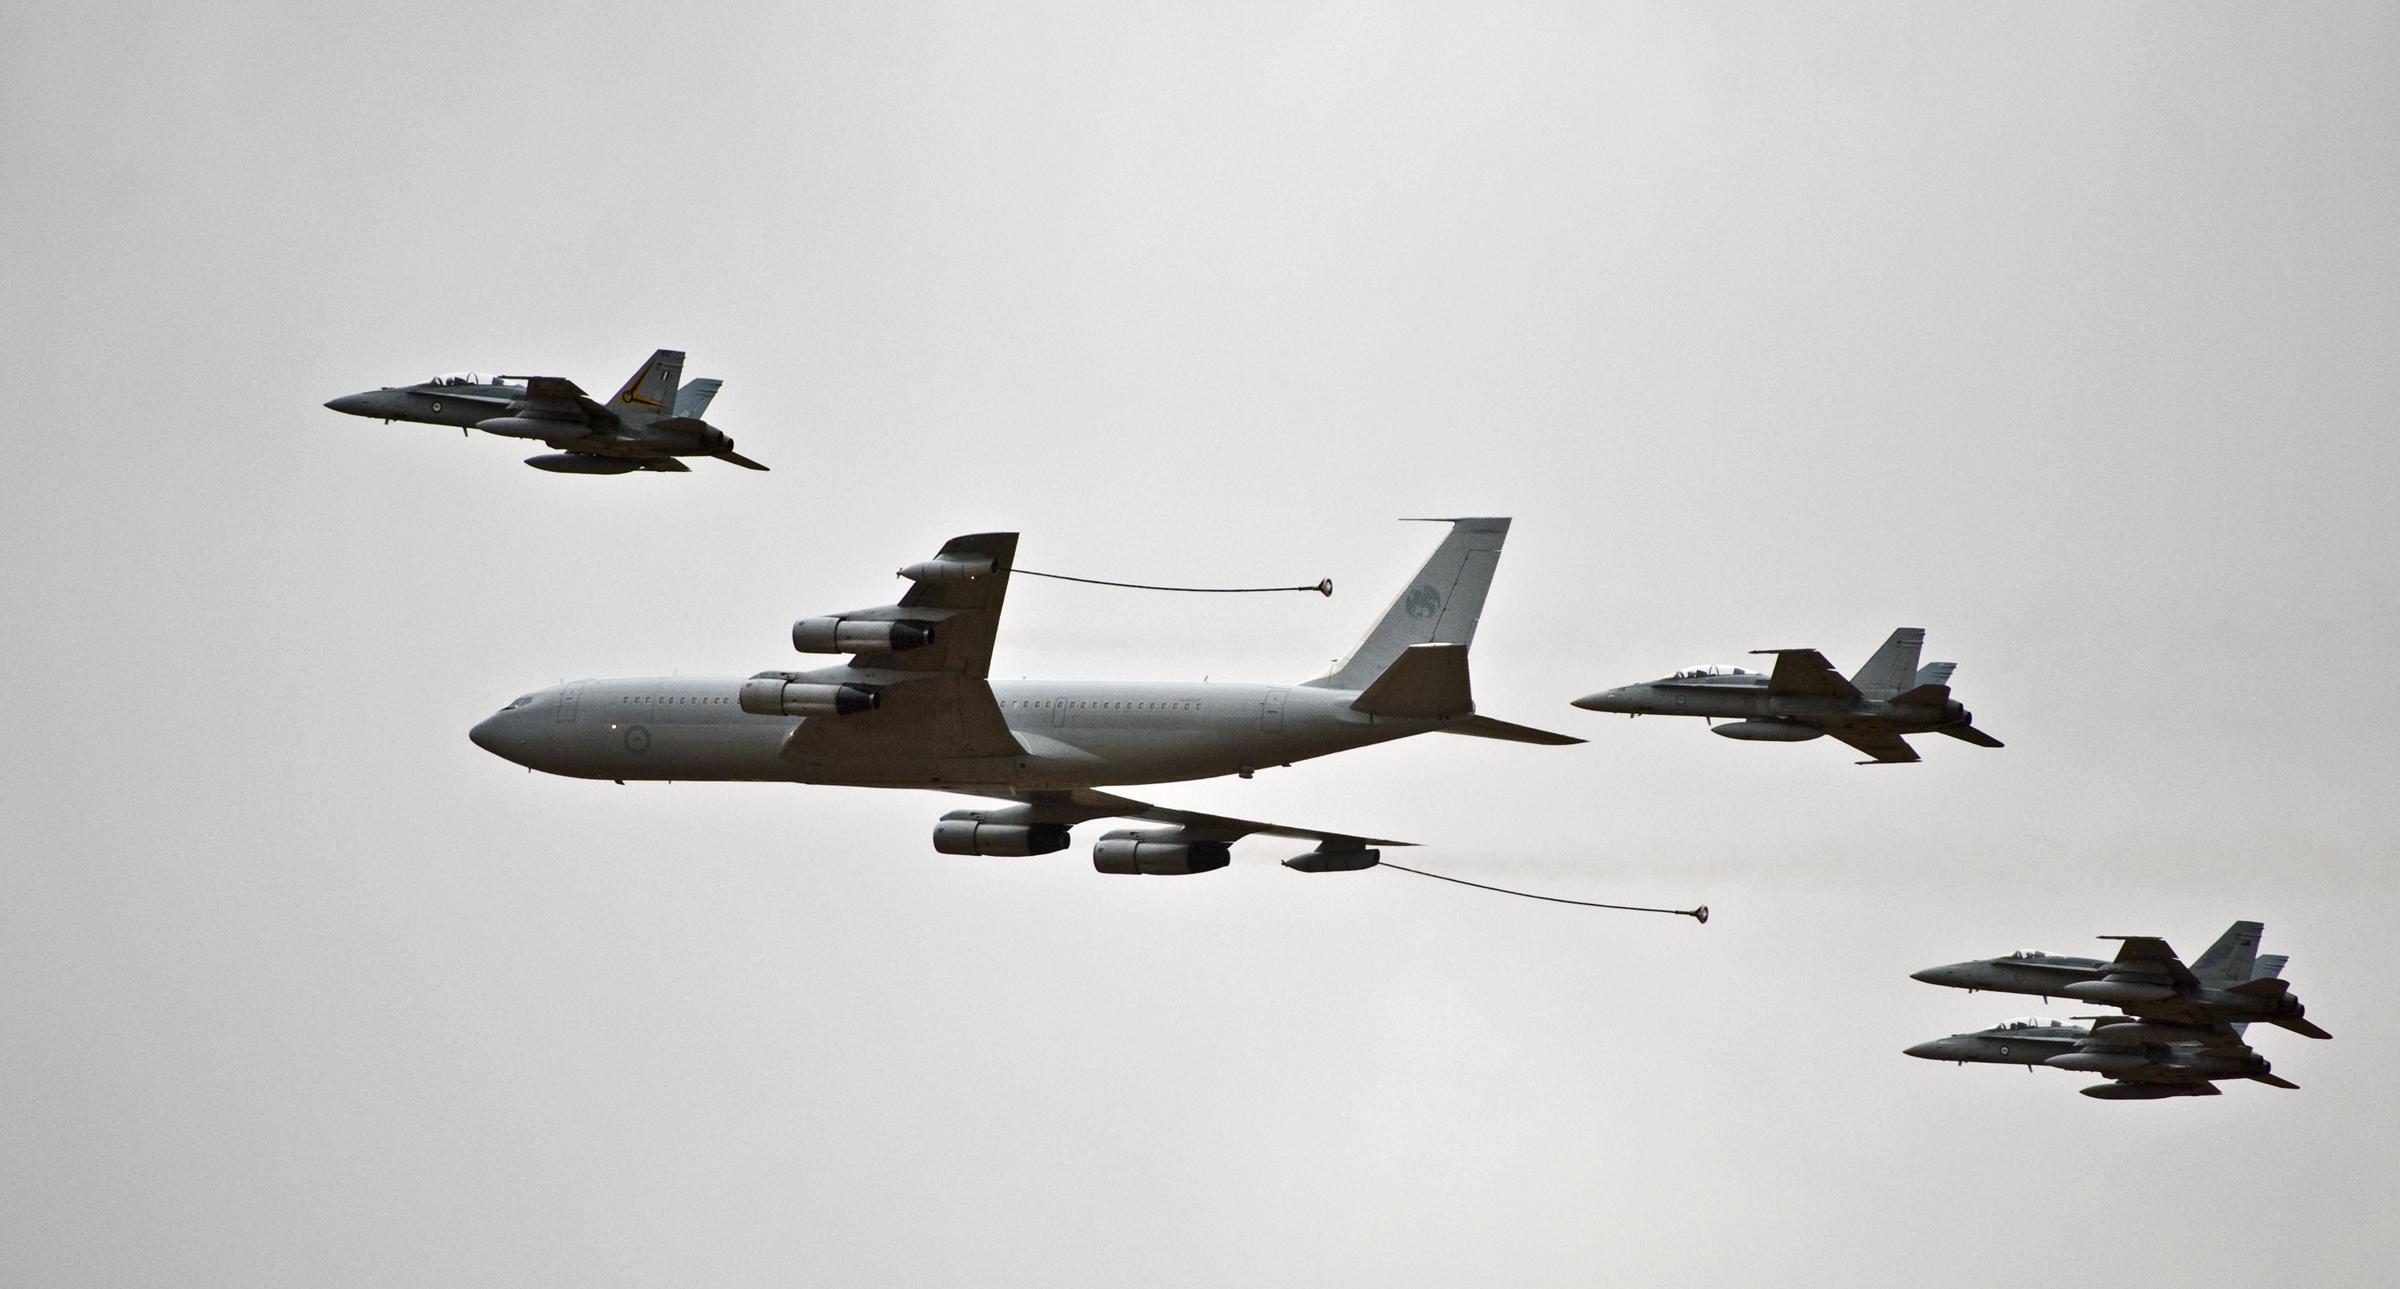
(486, 735)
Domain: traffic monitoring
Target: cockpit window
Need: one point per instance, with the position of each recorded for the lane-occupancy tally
(2031, 1022)
(526, 701)
(2024, 955)
(470, 378)
(1712, 669)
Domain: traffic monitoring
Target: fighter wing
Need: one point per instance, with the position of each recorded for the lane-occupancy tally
(1889, 749)
(1081, 805)
(1805, 671)
(555, 398)
(960, 592)
(2147, 955)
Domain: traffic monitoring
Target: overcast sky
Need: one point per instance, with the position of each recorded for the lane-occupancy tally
(2066, 332)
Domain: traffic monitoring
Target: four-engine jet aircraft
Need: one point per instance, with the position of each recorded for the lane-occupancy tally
(647, 426)
(914, 708)
(2144, 1060)
(2231, 982)
(1804, 697)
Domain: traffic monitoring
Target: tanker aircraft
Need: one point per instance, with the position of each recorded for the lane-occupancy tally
(1805, 698)
(2144, 1060)
(914, 708)
(647, 426)
(2231, 982)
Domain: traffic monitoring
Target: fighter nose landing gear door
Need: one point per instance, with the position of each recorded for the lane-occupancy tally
(568, 701)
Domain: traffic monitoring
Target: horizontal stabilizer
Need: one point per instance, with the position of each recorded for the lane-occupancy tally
(1426, 682)
(736, 458)
(1486, 727)
(1970, 734)
(2300, 1025)
(2276, 1081)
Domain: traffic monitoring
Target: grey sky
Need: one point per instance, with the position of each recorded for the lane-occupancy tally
(2063, 331)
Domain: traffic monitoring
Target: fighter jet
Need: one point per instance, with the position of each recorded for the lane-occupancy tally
(1804, 697)
(2231, 982)
(647, 426)
(914, 708)
(2144, 1060)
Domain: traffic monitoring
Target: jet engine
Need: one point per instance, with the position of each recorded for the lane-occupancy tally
(1133, 852)
(854, 635)
(969, 837)
(775, 694)
(1768, 731)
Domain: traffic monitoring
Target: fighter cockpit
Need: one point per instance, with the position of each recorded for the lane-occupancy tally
(2031, 1022)
(471, 378)
(2027, 955)
(1713, 671)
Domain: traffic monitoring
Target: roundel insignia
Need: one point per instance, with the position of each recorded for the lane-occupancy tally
(1423, 602)
(437, 405)
(637, 738)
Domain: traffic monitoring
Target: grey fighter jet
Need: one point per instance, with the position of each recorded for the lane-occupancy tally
(2144, 1060)
(649, 425)
(2231, 982)
(1804, 698)
(914, 707)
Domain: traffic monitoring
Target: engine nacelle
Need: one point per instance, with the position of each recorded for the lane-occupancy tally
(1768, 731)
(968, 837)
(947, 572)
(1334, 861)
(582, 463)
(853, 635)
(773, 695)
(1138, 853)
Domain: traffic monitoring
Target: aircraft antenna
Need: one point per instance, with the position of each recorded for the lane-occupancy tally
(1699, 914)
(1324, 588)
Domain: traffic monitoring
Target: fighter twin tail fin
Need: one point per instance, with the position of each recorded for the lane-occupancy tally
(651, 391)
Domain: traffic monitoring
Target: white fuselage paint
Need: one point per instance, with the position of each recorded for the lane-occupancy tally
(1076, 734)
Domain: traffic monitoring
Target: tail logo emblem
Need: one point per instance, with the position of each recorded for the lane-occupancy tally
(1423, 602)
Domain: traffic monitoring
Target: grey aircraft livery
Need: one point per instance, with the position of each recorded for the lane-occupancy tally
(914, 707)
(2146, 979)
(2183, 1028)
(1805, 698)
(2144, 1060)
(649, 425)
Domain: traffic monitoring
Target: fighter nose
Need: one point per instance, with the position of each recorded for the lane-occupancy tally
(352, 404)
(1931, 1049)
(1596, 702)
